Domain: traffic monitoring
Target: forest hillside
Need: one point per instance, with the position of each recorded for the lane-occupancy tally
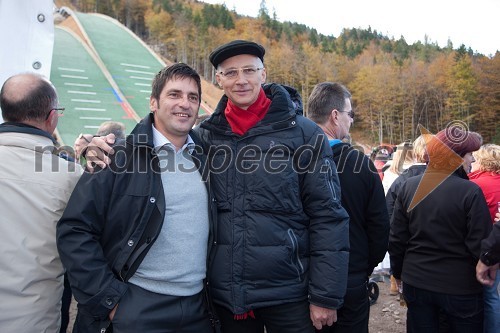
(395, 85)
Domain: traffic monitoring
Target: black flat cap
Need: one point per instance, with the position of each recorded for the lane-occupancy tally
(234, 48)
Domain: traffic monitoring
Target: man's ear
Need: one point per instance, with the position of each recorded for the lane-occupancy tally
(51, 122)
(334, 117)
(153, 104)
(218, 79)
(263, 76)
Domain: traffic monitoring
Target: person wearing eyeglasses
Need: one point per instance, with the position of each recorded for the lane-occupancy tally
(329, 106)
(36, 185)
(282, 234)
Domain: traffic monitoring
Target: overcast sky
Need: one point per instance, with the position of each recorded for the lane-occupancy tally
(473, 23)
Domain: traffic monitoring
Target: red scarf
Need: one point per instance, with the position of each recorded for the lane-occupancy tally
(242, 120)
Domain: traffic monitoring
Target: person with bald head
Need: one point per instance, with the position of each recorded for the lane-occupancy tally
(35, 184)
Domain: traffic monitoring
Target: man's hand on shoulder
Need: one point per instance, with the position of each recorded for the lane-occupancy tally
(97, 151)
(322, 316)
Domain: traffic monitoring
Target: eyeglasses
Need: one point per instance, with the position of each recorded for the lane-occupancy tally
(59, 111)
(247, 72)
(350, 113)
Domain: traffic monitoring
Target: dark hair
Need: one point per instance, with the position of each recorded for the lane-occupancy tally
(34, 103)
(175, 71)
(324, 98)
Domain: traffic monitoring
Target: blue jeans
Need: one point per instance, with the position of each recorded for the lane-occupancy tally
(492, 307)
(464, 313)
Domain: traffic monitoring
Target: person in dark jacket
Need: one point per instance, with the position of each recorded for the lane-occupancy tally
(330, 107)
(134, 236)
(437, 226)
(282, 235)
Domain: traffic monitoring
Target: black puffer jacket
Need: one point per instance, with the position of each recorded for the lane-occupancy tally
(282, 233)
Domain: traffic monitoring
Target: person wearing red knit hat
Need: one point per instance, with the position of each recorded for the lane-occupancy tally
(435, 239)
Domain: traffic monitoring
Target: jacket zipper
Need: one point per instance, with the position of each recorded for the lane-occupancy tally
(295, 252)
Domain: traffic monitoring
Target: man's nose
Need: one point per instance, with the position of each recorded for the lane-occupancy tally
(240, 76)
(185, 102)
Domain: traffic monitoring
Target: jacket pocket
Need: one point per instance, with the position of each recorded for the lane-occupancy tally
(465, 306)
(219, 179)
(86, 323)
(121, 317)
(329, 179)
(274, 192)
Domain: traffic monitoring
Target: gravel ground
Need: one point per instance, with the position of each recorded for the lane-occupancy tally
(387, 315)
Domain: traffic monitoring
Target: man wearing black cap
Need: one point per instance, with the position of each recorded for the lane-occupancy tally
(282, 235)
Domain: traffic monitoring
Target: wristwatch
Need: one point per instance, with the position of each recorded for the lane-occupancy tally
(489, 259)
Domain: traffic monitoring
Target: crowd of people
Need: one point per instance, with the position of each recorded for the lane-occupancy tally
(256, 219)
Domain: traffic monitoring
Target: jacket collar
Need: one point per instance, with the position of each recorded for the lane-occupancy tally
(286, 103)
(460, 172)
(142, 134)
(479, 174)
(14, 127)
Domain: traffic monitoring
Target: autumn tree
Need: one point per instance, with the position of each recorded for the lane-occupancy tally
(462, 86)
(395, 85)
(161, 29)
(488, 108)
